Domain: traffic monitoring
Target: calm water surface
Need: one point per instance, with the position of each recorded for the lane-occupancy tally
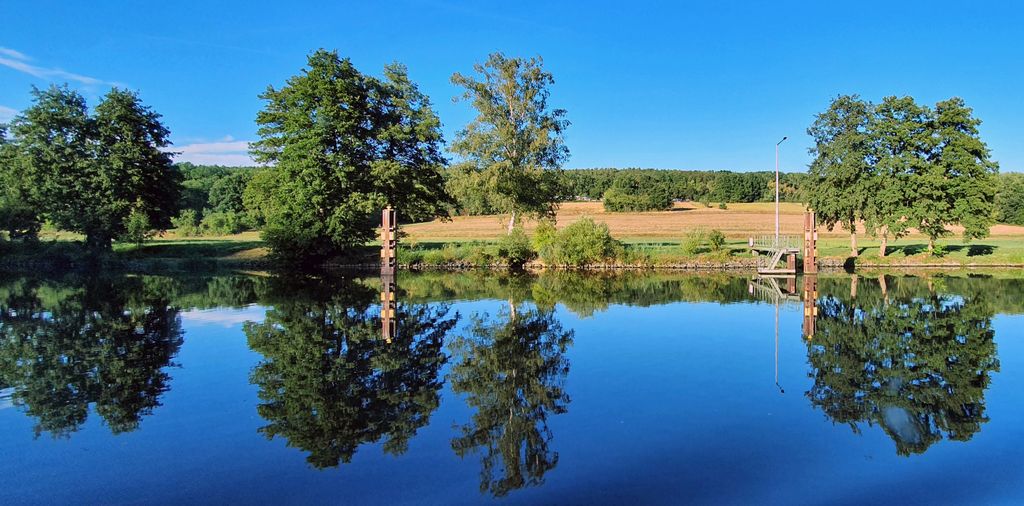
(560, 388)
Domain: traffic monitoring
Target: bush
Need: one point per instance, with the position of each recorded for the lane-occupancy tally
(137, 228)
(186, 223)
(723, 205)
(716, 240)
(544, 238)
(582, 243)
(701, 240)
(514, 249)
(222, 223)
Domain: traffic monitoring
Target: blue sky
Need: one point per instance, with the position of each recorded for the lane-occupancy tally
(707, 85)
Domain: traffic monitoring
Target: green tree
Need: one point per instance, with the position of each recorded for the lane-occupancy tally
(18, 217)
(515, 143)
(965, 173)
(226, 193)
(841, 174)
(328, 382)
(632, 192)
(1010, 199)
(89, 172)
(902, 141)
(512, 371)
(344, 145)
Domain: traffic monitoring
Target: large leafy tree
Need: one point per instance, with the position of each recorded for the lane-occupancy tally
(901, 137)
(515, 145)
(90, 172)
(512, 371)
(344, 145)
(842, 173)
(960, 164)
(18, 217)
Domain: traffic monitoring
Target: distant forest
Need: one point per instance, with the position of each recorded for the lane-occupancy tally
(217, 192)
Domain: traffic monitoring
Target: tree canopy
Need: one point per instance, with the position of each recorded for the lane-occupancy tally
(344, 145)
(514, 147)
(899, 166)
(89, 172)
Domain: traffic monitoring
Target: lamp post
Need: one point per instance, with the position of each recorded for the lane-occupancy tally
(777, 191)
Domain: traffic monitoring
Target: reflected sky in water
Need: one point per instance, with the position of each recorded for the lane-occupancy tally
(559, 388)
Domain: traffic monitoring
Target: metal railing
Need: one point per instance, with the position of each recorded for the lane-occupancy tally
(768, 242)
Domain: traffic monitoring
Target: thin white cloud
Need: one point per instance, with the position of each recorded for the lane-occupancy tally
(17, 55)
(7, 114)
(227, 151)
(19, 61)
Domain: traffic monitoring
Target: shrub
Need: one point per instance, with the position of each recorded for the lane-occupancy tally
(701, 240)
(716, 240)
(222, 223)
(544, 238)
(137, 228)
(723, 205)
(514, 248)
(186, 223)
(693, 241)
(582, 243)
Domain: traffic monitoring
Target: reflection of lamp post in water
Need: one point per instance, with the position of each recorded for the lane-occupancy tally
(777, 348)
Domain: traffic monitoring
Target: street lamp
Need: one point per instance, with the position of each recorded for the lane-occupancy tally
(777, 191)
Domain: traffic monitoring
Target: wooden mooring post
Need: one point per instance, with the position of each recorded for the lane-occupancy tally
(388, 241)
(810, 243)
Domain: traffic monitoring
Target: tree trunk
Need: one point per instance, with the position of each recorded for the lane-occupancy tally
(853, 286)
(931, 246)
(884, 245)
(853, 243)
(98, 243)
(884, 287)
(512, 222)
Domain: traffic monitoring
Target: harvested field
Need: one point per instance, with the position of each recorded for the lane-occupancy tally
(738, 221)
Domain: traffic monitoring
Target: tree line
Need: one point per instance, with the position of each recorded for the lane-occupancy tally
(336, 145)
(899, 165)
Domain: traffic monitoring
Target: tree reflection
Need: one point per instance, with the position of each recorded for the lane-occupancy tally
(104, 341)
(329, 383)
(512, 370)
(910, 359)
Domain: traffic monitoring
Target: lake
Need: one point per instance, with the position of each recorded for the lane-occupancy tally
(484, 387)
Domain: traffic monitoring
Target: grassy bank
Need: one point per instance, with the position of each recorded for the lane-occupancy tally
(650, 239)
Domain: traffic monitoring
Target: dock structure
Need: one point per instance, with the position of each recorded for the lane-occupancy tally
(770, 251)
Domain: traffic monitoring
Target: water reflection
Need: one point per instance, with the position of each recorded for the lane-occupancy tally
(910, 358)
(511, 369)
(329, 383)
(64, 346)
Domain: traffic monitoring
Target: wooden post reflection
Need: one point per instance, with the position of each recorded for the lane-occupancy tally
(810, 305)
(388, 308)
